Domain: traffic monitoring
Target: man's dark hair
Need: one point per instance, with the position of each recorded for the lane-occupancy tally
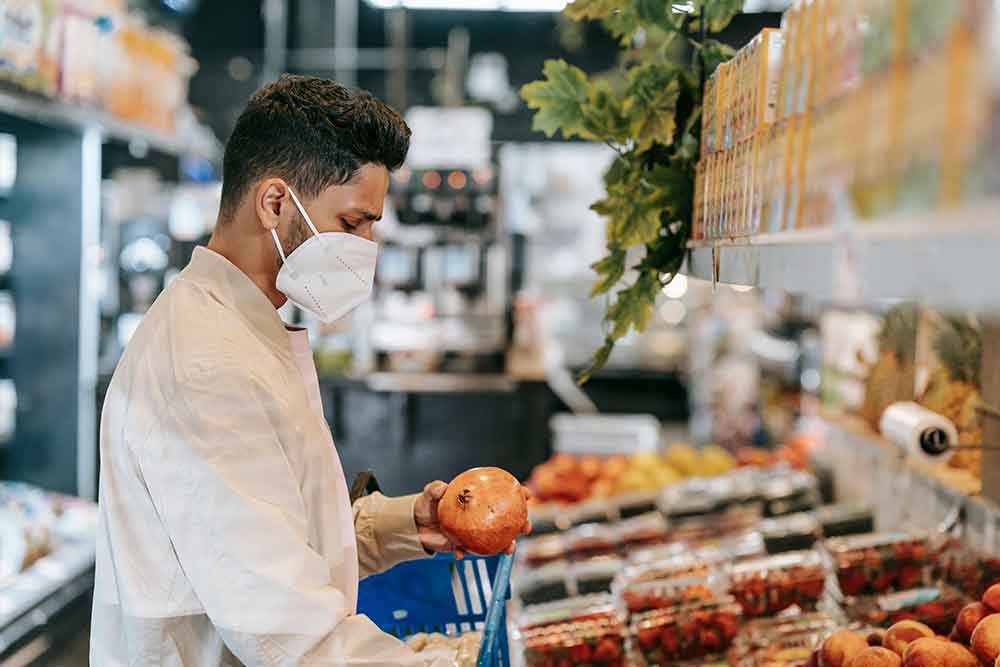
(313, 133)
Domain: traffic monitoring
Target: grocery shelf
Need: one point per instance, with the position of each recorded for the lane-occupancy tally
(438, 383)
(946, 259)
(870, 470)
(33, 597)
(37, 109)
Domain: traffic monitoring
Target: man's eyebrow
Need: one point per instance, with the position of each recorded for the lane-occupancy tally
(366, 214)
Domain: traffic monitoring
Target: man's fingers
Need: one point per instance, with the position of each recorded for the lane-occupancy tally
(436, 489)
(433, 540)
(510, 549)
(527, 527)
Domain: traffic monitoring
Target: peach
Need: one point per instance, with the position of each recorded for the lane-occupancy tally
(899, 636)
(840, 647)
(875, 656)
(986, 639)
(968, 619)
(991, 598)
(932, 652)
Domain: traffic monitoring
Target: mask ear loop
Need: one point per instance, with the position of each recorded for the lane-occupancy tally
(302, 210)
(284, 260)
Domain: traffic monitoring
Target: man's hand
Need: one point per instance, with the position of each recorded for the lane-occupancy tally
(425, 512)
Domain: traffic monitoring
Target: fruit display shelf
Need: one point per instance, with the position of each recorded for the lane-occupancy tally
(872, 472)
(945, 259)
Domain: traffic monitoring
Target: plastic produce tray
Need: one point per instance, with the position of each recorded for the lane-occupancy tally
(437, 594)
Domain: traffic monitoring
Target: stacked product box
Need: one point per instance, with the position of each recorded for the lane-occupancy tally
(864, 90)
(740, 104)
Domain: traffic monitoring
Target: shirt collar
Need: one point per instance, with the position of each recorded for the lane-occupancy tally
(235, 290)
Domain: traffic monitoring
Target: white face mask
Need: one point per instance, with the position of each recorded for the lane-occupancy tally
(329, 274)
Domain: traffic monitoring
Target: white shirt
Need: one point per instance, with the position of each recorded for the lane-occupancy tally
(226, 535)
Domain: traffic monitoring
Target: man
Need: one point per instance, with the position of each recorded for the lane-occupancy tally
(226, 531)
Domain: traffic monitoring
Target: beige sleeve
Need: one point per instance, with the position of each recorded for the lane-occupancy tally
(387, 532)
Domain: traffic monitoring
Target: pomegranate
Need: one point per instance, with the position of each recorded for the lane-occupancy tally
(483, 510)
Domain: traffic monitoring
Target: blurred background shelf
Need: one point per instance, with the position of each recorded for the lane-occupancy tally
(47, 112)
(945, 259)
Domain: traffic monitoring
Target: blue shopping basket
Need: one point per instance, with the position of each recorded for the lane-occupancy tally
(440, 594)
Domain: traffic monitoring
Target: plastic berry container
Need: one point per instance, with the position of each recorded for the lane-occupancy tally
(968, 571)
(579, 608)
(644, 530)
(539, 551)
(594, 643)
(792, 532)
(544, 584)
(590, 540)
(763, 632)
(682, 566)
(596, 575)
(879, 562)
(666, 636)
(664, 594)
(767, 586)
(936, 607)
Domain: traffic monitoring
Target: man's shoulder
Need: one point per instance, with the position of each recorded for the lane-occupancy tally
(192, 332)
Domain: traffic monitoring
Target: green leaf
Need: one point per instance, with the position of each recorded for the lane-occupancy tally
(603, 118)
(717, 13)
(580, 10)
(559, 99)
(612, 268)
(633, 306)
(618, 16)
(651, 104)
(714, 53)
(597, 361)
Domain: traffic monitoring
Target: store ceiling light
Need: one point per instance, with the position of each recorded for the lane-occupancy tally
(476, 5)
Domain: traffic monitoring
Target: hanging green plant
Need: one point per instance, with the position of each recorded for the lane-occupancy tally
(649, 110)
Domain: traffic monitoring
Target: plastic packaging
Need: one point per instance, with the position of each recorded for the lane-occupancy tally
(936, 607)
(641, 531)
(543, 584)
(879, 562)
(589, 541)
(843, 520)
(595, 575)
(579, 608)
(792, 532)
(538, 551)
(686, 632)
(597, 642)
(767, 586)
(666, 593)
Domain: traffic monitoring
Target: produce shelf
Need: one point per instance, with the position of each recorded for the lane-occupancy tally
(945, 259)
(870, 470)
(52, 113)
(32, 598)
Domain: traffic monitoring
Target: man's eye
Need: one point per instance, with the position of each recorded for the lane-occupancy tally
(348, 226)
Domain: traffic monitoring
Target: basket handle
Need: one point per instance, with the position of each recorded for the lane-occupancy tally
(494, 615)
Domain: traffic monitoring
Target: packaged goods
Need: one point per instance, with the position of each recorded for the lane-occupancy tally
(666, 593)
(599, 642)
(579, 608)
(543, 584)
(937, 607)
(595, 575)
(29, 44)
(538, 551)
(686, 632)
(843, 520)
(590, 540)
(879, 562)
(767, 586)
(644, 530)
(792, 532)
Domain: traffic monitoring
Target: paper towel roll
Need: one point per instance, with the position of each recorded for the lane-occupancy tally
(924, 435)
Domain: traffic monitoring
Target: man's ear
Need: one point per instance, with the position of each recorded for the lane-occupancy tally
(272, 203)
